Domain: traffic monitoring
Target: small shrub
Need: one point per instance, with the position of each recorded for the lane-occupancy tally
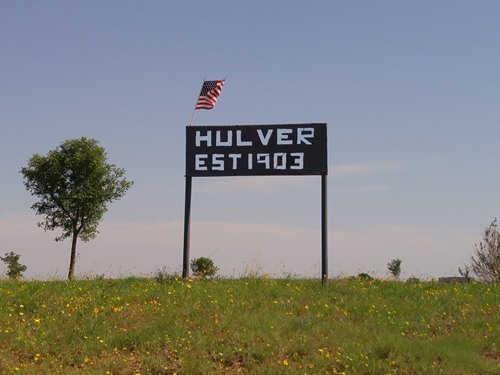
(364, 276)
(394, 267)
(14, 268)
(203, 267)
(163, 276)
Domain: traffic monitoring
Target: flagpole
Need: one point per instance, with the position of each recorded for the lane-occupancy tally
(192, 116)
(194, 110)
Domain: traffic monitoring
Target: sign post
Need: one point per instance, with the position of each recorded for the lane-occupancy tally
(257, 150)
(324, 230)
(187, 227)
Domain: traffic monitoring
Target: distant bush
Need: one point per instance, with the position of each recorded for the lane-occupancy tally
(364, 276)
(394, 267)
(162, 276)
(203, 267)
(14, 268)
(485, 263)
(413, 280)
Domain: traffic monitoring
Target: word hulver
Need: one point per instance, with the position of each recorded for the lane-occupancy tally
(228, 138)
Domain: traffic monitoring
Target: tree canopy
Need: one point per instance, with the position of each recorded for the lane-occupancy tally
(74, 184)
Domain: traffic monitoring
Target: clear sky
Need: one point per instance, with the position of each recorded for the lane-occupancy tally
(410, 91)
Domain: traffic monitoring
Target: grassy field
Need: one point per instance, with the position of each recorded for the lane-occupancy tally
(248, 325)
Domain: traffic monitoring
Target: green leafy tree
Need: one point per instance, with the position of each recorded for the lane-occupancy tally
(394, 267)
(485, 263)
(203, 267)
(74, 184)
(14, 268)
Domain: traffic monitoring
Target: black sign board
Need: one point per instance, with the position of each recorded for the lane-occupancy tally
(251, 150)
(257, 150)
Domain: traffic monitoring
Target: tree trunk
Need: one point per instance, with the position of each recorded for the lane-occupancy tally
(72, 259)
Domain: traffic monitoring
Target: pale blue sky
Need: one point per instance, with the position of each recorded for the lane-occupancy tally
(410, 91)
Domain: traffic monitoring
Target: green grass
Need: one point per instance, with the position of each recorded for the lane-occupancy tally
(248, 325)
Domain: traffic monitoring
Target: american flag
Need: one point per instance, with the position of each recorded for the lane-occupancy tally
(209, 94)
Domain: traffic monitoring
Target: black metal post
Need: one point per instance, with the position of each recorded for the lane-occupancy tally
(187, 226)
(324, 230)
